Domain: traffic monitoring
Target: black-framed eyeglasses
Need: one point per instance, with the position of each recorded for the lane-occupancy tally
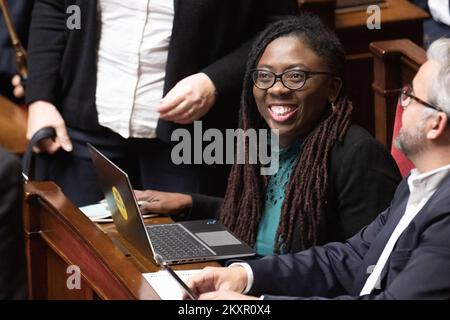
(406, 95)
(291, 79)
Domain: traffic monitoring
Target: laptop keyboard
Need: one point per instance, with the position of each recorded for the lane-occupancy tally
(172, 241)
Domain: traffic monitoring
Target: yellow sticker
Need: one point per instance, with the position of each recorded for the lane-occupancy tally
(120, 204)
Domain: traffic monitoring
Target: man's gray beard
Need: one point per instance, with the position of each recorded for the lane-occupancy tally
(410, 144)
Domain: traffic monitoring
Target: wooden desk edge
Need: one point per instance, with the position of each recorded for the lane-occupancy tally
(91, 237)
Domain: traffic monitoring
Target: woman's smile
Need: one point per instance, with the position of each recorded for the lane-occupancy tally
(281, 112)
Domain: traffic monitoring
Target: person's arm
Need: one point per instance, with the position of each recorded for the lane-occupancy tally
(425, 276)
(191, 206)
(46, 47)
(364, 184)
(204, 207)
(326, 271)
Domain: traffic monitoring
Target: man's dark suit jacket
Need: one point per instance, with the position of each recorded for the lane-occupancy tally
(12, 247)
(418, 267)
(210, 36)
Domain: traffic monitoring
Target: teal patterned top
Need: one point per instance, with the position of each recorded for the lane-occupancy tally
(265, 239)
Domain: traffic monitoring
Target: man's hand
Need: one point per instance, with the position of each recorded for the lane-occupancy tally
(44, 114)
(225, 295)
(18, 92)
(163, 202)
(189, 100)
(232, 281)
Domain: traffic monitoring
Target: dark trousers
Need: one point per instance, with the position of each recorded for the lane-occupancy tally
(146, 161)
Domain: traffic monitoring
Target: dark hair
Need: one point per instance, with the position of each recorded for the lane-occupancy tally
(305, 193)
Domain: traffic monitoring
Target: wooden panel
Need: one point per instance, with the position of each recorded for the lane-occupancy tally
(396, 63)
(400, 19)
(57, 283)
(13, 127)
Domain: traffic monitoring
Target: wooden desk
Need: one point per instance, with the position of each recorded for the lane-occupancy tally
(400, 19)
(58, 235)
(13, 127)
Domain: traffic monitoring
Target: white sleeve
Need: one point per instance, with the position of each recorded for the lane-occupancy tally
(249, 275)
(440, 11)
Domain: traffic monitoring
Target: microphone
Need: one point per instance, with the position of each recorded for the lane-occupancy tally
(159, 260)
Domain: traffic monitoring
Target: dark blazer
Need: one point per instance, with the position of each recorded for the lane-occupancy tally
(363, 178)
(12, 247)
(418, 267)
(210, 36)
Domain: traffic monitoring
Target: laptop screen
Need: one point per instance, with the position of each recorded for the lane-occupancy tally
(121, 200)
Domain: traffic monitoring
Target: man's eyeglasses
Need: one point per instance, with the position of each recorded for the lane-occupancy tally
(291, 79)
(407, 95)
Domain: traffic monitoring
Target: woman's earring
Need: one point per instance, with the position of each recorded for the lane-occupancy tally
(333, 105)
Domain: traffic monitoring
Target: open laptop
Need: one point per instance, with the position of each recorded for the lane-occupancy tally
(180, 242)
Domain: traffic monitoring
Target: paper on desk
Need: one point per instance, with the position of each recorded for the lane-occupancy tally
(99, 212)
(96, 211)
(166, 286)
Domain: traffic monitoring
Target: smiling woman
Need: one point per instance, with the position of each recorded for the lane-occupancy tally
(294, 105)
(333, 178)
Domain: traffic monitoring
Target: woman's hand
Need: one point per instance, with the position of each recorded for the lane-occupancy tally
(189, 100)
(19, 91)
(162, 202)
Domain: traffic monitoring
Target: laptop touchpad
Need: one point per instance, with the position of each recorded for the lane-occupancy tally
(218, 238)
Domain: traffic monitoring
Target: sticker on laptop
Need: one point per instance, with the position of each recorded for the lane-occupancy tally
(120, 204)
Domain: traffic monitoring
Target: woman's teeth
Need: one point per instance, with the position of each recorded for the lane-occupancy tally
(281, 110)
(282, 113)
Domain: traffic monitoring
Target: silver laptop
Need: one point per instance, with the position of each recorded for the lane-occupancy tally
(180, 242)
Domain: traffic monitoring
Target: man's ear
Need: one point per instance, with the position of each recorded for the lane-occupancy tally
(335, 89)
(438, 126)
